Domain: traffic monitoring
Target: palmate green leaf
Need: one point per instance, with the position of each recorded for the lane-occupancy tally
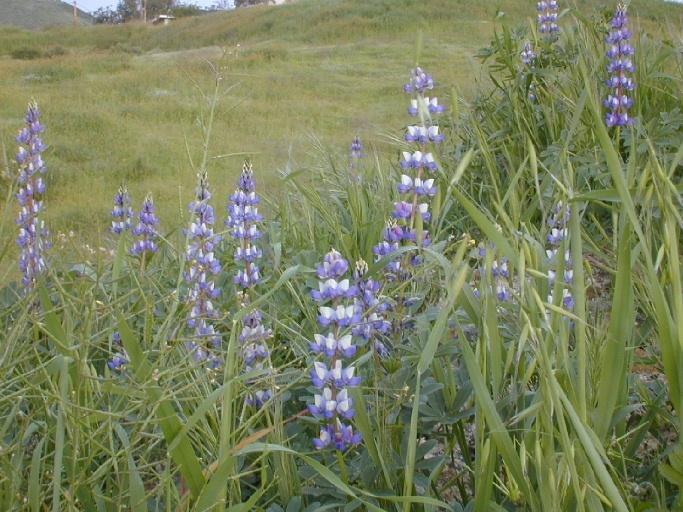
(183, 455)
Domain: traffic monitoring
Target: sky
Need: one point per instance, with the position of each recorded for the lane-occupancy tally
(93, 5)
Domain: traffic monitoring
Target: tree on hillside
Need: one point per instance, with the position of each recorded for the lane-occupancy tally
(131, 10)
(221, 5)
(184, 10)
(157, 7)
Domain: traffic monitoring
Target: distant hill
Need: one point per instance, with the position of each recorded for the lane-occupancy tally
(35, 14)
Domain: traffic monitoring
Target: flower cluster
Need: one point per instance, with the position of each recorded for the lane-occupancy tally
(356, 153)
(333, 403)
(145, 229)
(410, 213)
(202, 266)
(620, 65)
(499, 270)
(528, 58)
(546, 19)
(243, 225)
(558, 232)
(120, 358)
(372, 324)
(33, 235)
(122, 213)
(243, 216)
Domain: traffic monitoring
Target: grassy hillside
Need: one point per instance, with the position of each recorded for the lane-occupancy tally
(35, 14)
(122, 103)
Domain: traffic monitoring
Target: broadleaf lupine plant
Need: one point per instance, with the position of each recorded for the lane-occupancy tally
(620, 65)
(333, 404)
(243, 226)
(33, 237)
(202, 267)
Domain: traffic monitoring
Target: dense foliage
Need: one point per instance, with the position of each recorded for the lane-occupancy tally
(488, 317)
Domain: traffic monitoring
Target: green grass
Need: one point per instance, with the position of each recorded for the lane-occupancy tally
(550, 407)
(36, 14)
(125, 102)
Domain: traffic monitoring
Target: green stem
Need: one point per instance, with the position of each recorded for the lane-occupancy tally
(342, 467)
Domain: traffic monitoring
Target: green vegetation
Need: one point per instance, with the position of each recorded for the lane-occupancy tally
(37, 14)
(509, 384)
(127, 91)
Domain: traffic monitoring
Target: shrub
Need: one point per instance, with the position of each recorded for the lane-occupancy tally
(26, 53)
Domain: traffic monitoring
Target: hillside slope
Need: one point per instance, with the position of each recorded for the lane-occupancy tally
(308, 22)
(35, 14)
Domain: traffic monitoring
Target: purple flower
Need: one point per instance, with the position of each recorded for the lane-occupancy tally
(419, 81)
(122, 213)
(202, 267)
(527, 56)
(242, 224)
(620, 64)
(337, 435)
(334, 266)
(356, 152)
(118, 362)
(560, 215)
(145, 229)
(334, 401)
(546, 19)
(120, 358)
(33, 236)
(556, 235)
(331, 289)
(243, 227)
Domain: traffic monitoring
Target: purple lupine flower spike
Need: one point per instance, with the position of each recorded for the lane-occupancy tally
(333, 403)
(527, 56)
(33, 235)
(120, 358)
(202, 267)
(122, 213)
(620, 66)
(145, 229)
(243, 227)
(356, 153)
(413, 185)
(546, 19)
(242, 221)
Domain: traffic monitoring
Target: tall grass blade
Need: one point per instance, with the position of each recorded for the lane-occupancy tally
(135, 484)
